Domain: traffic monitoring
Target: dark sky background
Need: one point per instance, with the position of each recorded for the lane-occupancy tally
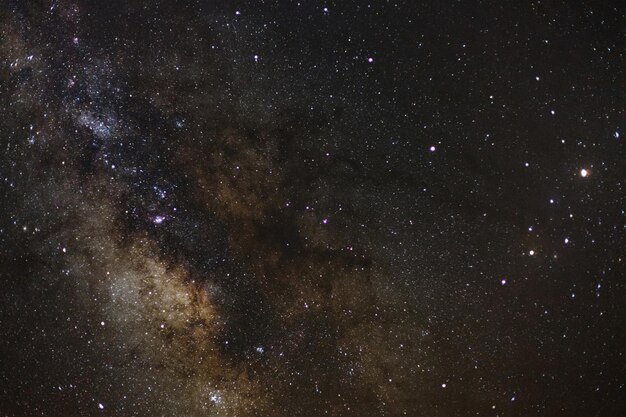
(282, 208)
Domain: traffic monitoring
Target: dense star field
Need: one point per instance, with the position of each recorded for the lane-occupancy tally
(282, 208)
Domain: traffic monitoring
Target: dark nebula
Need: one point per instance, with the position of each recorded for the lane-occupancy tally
(282, 208)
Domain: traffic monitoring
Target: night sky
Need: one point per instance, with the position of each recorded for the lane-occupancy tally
(282, 208)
